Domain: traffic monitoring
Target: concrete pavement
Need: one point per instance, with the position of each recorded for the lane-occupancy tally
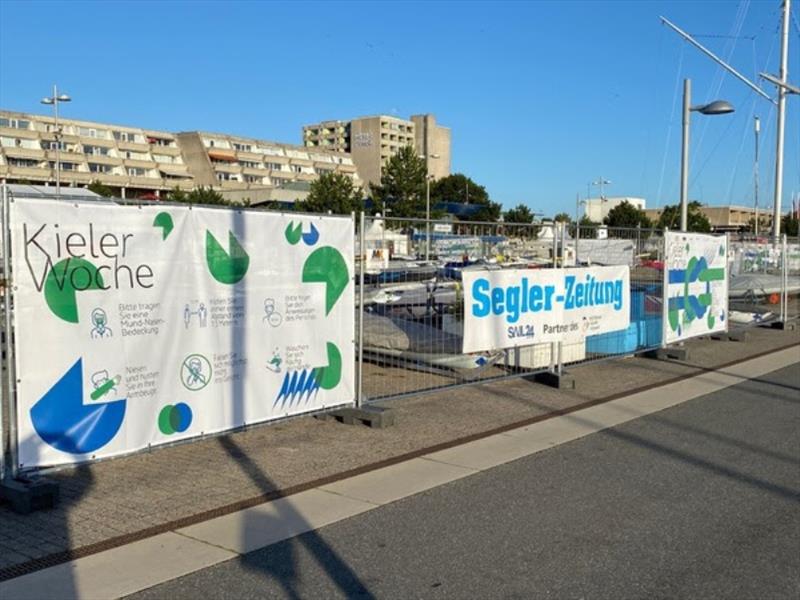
(266, 524)
(700, 500)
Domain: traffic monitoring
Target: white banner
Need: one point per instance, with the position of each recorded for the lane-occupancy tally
(696, 285)
(139, 326)
(518, 307)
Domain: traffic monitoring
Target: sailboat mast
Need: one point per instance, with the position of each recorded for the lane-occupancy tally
(782, 74)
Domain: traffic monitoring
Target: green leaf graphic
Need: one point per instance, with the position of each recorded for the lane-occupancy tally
(67, 277)
(326, 265)
(226, 267)
(293, 232)
(164, 220)
(329, 376)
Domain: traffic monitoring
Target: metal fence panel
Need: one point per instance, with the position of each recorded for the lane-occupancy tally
(413, 298)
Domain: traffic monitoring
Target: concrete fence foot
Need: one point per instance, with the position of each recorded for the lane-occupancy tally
(27, 495)
(371, 416)
(670, 353)
(565, 381)
(731, 336)
(783, 325)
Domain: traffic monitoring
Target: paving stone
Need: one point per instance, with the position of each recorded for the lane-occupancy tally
(128, 494)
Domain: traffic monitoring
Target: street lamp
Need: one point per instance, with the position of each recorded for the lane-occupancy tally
(54, 100)
(718, 107)
(601, 182)
(428, 179)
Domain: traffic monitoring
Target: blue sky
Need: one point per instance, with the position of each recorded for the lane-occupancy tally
(542, 98)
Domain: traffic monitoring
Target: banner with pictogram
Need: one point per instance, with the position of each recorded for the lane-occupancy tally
(142, 325)
(695, 285)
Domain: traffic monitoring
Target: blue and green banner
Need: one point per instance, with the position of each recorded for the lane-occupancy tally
(138, 326)
(695, 285)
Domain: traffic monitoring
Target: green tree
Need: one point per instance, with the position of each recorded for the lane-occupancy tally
(100, 188)
(588, 227)
(695, 219)
(463, 190)
(203, 195)
(626, 214)
(402, 186)
(562, 218)
(789, 225)
(333, 192)
(518, 214)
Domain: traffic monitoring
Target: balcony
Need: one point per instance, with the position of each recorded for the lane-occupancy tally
(142, 164)
(30, 173)
(147, 182)
(224, 167)
(251, 156)
(77, 177)
(19, 152)
(103, 160)
(23, 134)
(254, 171)
(166, 150)
(302, 162)
(133, 146)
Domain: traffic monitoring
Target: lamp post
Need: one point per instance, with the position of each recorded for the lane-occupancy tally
(718, 107)
(54, 100)
(601, 182)
(428, 179)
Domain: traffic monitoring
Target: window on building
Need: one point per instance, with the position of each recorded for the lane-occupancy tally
(251, 164)
(137, 172)
(22, 162)
(296, 168)
(65, 166)
(95, 150)
(14, 123)
(242, 147)
(98, 168)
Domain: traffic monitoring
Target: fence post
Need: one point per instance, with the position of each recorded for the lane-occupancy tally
(664, 288)
(4, 395)
(784, 281)
(12, 462)
(362, 255)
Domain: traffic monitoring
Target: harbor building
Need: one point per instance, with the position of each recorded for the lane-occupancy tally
(597, 209)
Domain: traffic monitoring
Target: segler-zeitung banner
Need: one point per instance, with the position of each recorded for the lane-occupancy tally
(507, 308)
(696, 282)
(139, 326)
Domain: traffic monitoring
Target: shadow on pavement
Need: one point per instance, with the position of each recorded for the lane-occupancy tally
(282, 564)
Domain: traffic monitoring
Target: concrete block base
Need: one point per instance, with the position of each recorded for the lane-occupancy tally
(670, 353)
(740, 335)
(784, 325)
(565, 381)
(371, 416)
(28, 495)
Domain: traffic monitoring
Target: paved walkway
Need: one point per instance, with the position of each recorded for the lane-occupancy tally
(131, 498)
(697, 501)
(143, 564)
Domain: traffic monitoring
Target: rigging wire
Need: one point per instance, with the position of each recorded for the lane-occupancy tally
(678, 73)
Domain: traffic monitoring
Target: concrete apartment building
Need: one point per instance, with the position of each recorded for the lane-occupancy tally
(372, 141)
(143, 163)
(134, 162)
(258, 170)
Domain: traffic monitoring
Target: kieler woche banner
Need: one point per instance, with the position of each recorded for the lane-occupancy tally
(696, 285)
(518, 307)
(138, 326)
